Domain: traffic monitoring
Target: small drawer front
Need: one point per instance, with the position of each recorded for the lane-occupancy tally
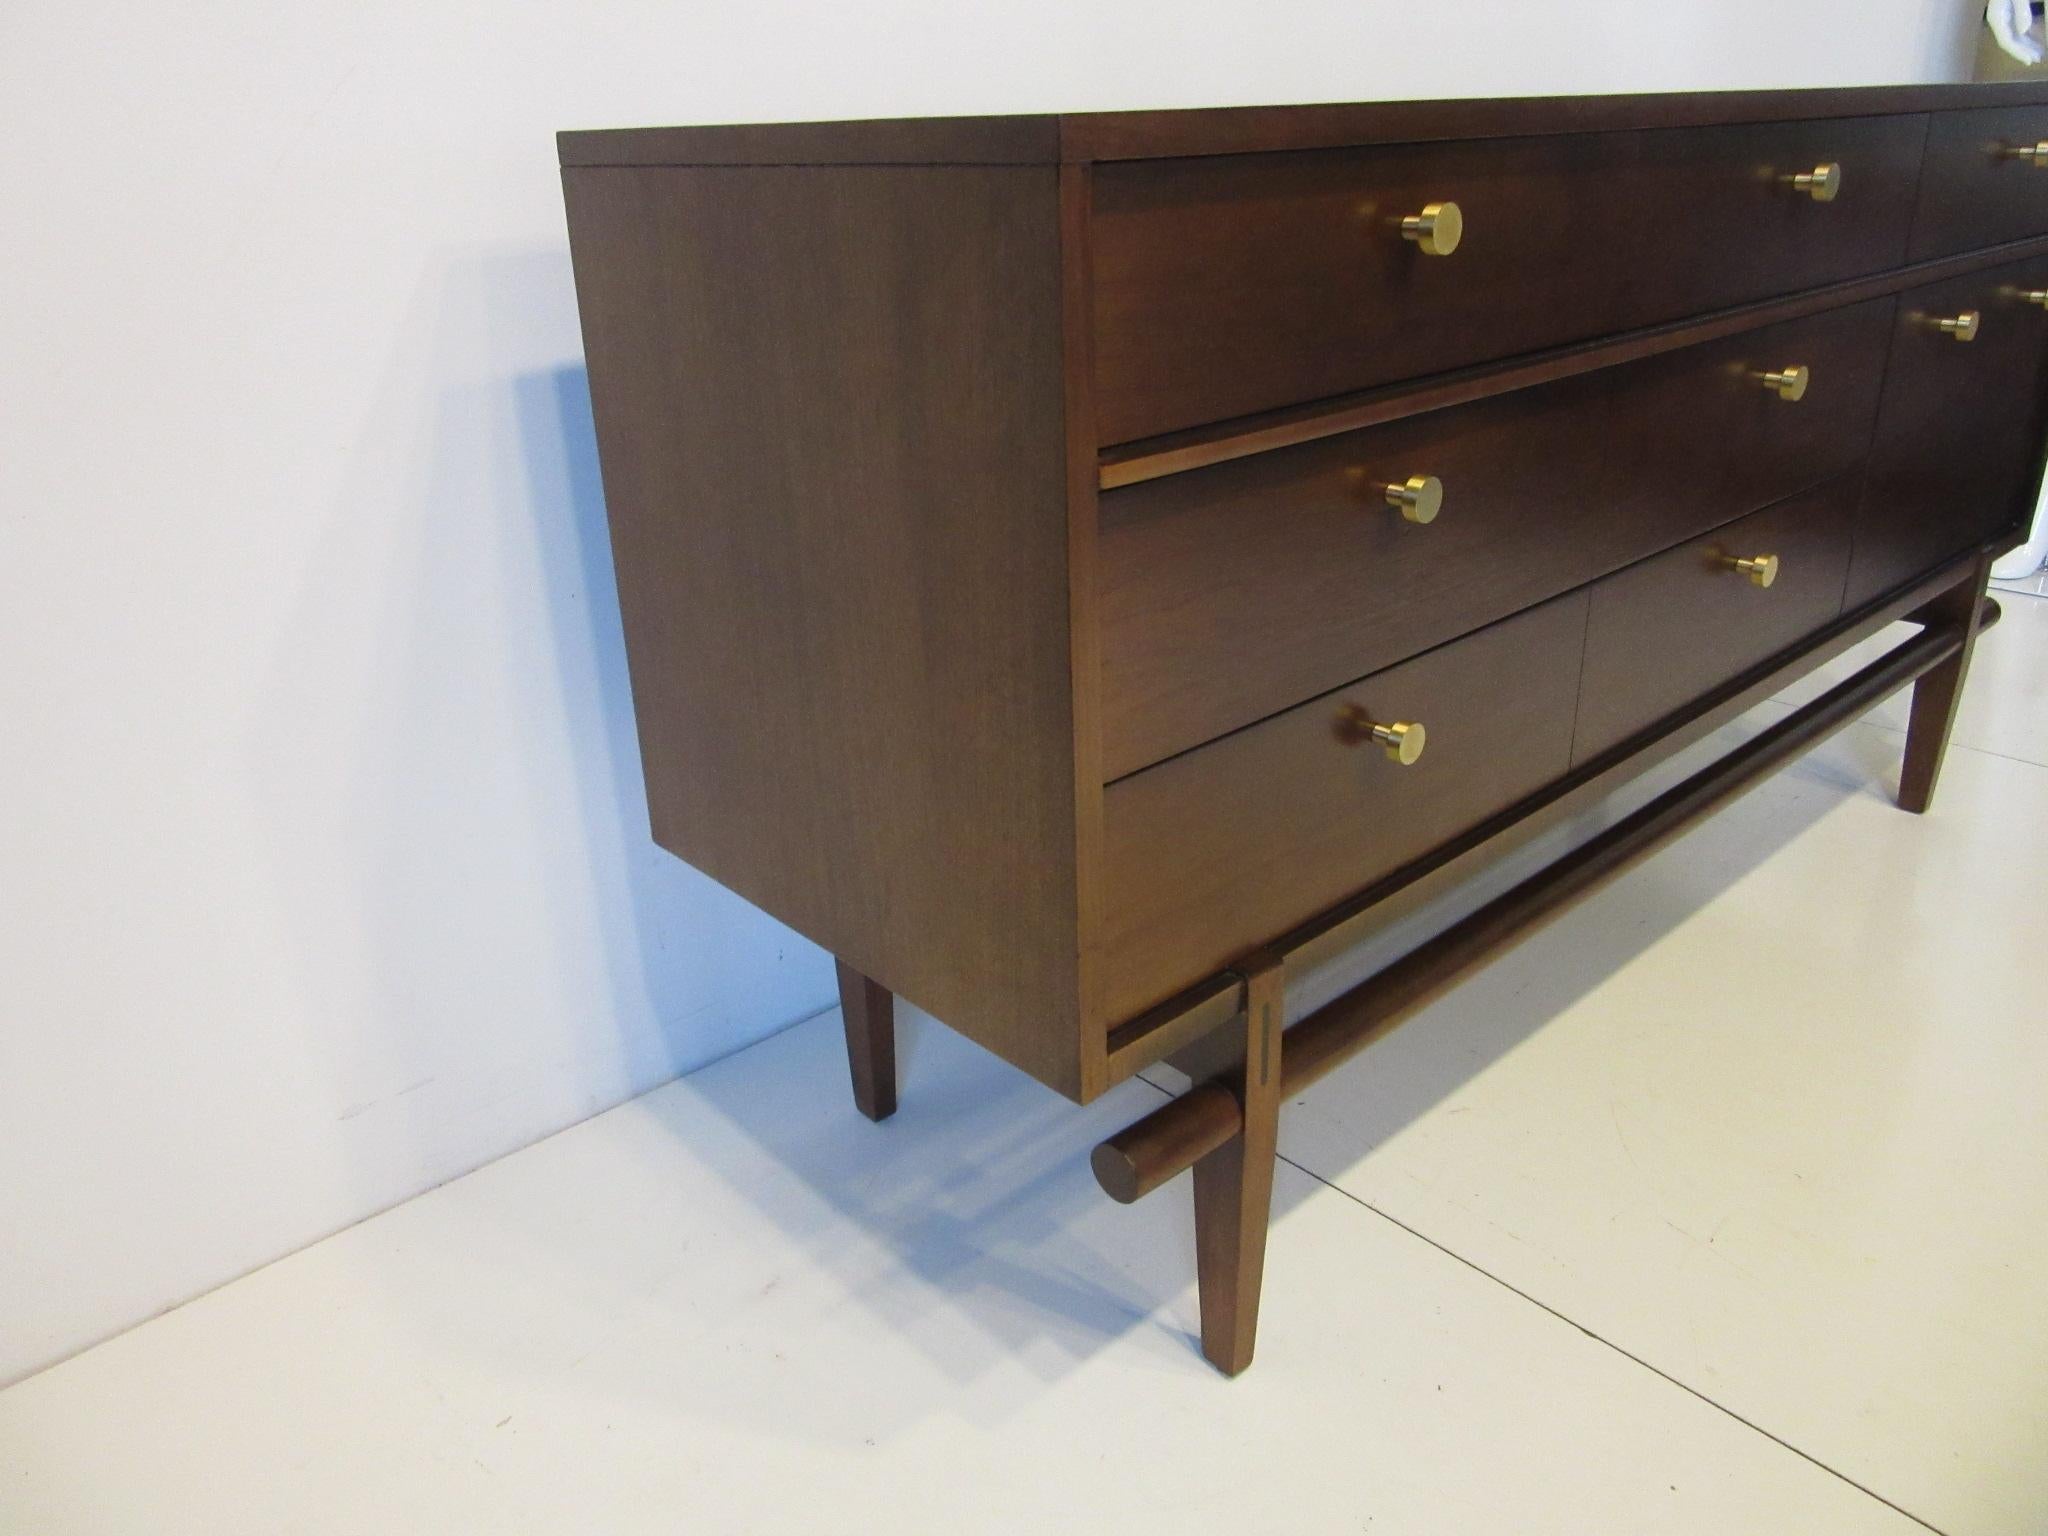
(1961, 428)
(1662, 633)
(1986, 180)
(1222, 849)
(1232, 285)
(1232, 592)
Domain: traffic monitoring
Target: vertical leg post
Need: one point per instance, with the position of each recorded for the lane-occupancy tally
(869, 1010)
(1938, 693)
(1234, 1184)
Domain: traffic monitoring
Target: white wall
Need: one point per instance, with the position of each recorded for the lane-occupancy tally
(323, 866)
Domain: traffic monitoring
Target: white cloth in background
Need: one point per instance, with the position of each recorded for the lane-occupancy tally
(2012, 25)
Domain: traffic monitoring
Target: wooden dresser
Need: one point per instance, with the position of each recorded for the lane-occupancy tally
(1081, 569)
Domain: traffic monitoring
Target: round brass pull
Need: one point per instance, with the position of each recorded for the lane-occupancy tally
(1419, 498)
(1821, 183)
(1403, 740)
(1963, 327)
(1762, 571)
(1437, 229)
(1788, 383)
(2033, 154)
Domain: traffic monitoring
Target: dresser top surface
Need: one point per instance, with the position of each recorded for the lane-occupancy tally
(1079, 137)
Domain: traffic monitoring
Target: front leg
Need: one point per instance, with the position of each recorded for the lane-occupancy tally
(1939, 693)
(1234, 1185)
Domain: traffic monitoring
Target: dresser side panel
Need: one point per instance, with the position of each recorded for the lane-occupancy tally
(830, 414)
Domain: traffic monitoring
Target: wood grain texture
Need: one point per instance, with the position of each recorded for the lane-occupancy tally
(1961, 428)
(1971, 194)
(850, 423)
(1084, 622)
(1543, 490)
(1663, 633)
(1024, 140)
(1219, 442)
(1212, 853)
(1078, 137)
(1235, 285)
(1258, 130)
(1207, 1005)
(831, 411)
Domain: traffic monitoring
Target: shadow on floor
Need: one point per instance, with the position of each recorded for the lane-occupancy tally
(979, 1188)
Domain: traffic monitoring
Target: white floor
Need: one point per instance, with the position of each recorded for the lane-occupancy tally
(1721, 1206)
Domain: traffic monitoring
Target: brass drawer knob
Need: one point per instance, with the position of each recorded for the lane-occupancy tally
(1419, 498)
(1404, 740)
(1437, 229)
(2033, 154)
(1762, 571)
(1963, 327)
(1821, 183)
(1788, 383)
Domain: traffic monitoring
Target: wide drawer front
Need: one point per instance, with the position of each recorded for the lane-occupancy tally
(1961, 429)
(1985, 180)
(1662, 633)
(1232, 285)
(1232, 592)
(1222, 849)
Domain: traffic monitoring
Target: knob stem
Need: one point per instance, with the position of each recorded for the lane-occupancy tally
(1788, 383)
(1821, 183)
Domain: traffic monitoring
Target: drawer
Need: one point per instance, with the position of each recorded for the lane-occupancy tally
(1236, 284)
(1961, 427)
(1975, 190)
(1234, 591)
(1221, 849)
(1662, 633)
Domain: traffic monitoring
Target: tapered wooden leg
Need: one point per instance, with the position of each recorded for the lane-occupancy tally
(1234, 1188)
(869, 1010)
(1938, 693)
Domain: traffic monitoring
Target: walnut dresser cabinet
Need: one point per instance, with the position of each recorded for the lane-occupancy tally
(1084, 570)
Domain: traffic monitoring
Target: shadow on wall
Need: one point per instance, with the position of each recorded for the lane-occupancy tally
(484, 944)
(658, 946)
